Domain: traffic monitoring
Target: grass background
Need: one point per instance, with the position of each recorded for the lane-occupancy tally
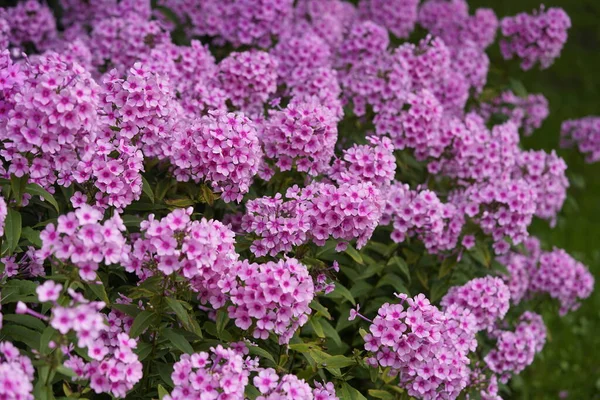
(570, 362)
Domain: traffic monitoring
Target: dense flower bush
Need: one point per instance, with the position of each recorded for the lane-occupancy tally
(197, 196)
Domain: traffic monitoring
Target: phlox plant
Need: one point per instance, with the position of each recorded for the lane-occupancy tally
(276, 199)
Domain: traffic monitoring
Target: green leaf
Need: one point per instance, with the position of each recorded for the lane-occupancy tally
(45, 339)
(259, 351)
(36, 190)
(17, 289)
(354, 254)
(21, 334)
(251, 392)
(147, 189)
(165, 371)
(222, 320)
(338, 362)
(401, 265)
(142, 322)
(347, 392)
(302, 347)
(128, 309)
(178, 341)
(394, 281)
(180, 203)
(207, 195)
(320, 309)
(66, 371)
(100, 291)
(341, 291)
(162, 392)
(447, 265)
(32, 235)
(131, 220)
(316, 326)
(12, 229)
(381, 394)
(25, 320)
(18, 187)
(331, 333)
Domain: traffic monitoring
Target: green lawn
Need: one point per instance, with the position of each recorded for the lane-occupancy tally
(571, 358)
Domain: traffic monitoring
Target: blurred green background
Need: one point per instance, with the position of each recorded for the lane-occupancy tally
(570, 362)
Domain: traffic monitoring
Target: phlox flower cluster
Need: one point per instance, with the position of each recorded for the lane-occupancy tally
(248, 78)
(473, 64)
(303, 135)
(476, 153)
(486, 298)
(218, 374)
(450, 20)
(397, 16)
(421, 213)
(563, 278)
(118, 42)
(304, 85)
(515, 350)
(30, 23)
(526, 112)
(545, 173)
(80, 238)
(220, 148)
(26, 264)
(305, 52)
(48, 118)
(141, 108)
(343, 213)
(82, 12)
(584, 133)
(202, 251)
(16, 374)
(520, 266)
(269, 297)
(288, 387)
(238, 22)
(373, 162)
(424, 346)
(417, 128)
(537, 37)
(329, 19)
(503, 208)
(115, 167)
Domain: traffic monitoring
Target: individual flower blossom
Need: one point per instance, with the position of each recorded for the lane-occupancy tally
(3, 214)
(537, 37)
(248, 78)
(16, 373)
(516, 350)
(563, 278)
(486, 298)
(546, 175)
(201, 251)
(528, 113)
(398, 16)
(584, 133)
(269, 297)
(31, 23)
(141, 108)
(450, 20)
(374, 162)
(222, 149)
(49, 291)
(324, 391)
(425, 347)
(118, 42)
(421, 214)
(80, 238)
(303, 135)
(220, 373)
